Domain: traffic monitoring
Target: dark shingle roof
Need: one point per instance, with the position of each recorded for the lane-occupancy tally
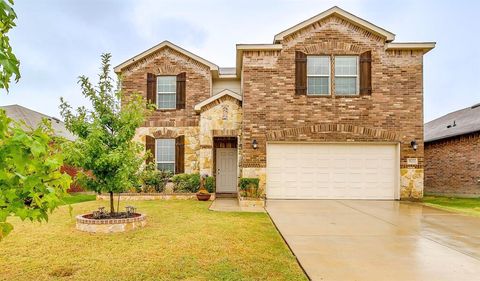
(33, 119)
(456, 123)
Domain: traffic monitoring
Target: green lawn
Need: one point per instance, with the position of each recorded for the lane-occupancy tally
(78, 198)
(182, 241)
(470, 206)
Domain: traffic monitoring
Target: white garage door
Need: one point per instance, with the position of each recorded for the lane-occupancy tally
(331, 171)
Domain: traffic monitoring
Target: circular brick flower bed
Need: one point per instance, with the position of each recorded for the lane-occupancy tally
(88, 224)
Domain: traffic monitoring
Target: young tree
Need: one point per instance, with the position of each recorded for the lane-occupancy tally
(104, 148)
(31, 184)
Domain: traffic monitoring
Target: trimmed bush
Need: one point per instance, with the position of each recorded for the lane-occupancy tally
(154, 180)
(186, 182)
(249, 187)
(210, 184)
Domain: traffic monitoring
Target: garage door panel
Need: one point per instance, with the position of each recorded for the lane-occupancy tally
(331, 171)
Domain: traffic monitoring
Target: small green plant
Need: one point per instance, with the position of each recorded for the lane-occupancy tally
(154, 180)
(210, 184)
(186, 182)
(249, 187)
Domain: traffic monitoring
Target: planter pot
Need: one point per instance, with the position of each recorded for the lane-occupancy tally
(203, 197)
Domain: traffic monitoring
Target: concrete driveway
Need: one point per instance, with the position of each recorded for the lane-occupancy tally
(378, 240)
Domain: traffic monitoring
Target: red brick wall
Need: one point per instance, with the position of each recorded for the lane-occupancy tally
(72, 171)
(452, 166)
(167, 61)
(395, 107)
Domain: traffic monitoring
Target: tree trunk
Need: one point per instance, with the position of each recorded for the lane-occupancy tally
(112, 207)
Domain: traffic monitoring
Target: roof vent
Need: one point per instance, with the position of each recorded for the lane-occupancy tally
(475, 106)
(453, 125)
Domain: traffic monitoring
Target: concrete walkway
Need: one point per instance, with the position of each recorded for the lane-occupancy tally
(378, 240)
(231, 205)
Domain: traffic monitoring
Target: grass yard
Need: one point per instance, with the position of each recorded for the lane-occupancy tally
(78, 198)
(470, 206)
(183, 240)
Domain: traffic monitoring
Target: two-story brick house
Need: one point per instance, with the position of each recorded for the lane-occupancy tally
(333, 108)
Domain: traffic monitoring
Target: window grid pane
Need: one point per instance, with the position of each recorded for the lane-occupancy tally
(346, 75)
(346, 66)
(318, 66)
(346, 85)
(318, 85)
(165, 154)
(318, 75)
(166, 167)
(166, 92)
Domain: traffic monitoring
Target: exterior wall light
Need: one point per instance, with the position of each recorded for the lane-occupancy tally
(414, 144)
(254, 144)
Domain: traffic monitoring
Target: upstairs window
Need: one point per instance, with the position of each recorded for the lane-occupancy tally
(346, 75)
(165, 154)
(318, 75)
(166, 92)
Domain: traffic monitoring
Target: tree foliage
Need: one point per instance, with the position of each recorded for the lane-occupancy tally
(9, 64)
(31, 184)
(104, 148)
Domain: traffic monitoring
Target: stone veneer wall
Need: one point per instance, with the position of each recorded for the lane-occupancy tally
(222, 117)
(394, 110)
(452, 166)
(192, 144)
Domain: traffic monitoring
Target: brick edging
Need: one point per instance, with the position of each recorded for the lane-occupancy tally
(81, 219)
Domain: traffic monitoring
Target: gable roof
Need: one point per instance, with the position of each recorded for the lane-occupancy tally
(164, 44)
(226, 92)
(389, 36)
(33, 119)
(456, 123)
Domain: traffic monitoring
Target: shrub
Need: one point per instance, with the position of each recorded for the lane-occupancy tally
(154, 180)
(186, 182)
(249, 187)
(210, 184)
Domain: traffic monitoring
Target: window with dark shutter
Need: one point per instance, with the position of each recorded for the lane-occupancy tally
(366, 73)
(300, 73)
(150, 148)
(181, 90)
(180, 155)
(151, 89)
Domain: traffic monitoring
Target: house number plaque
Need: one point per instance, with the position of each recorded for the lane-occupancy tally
(412, 161)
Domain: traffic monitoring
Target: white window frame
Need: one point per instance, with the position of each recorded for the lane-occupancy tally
(329, 76)
(165, 93)
(165, 162)
(357, 76)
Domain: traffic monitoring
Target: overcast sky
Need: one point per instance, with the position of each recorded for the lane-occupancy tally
(58, 40)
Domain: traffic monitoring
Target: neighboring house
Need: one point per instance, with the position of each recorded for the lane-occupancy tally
(452, 153)
(330, 109)
(32, 119)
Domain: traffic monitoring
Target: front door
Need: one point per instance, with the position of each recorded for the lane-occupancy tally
(226, 174)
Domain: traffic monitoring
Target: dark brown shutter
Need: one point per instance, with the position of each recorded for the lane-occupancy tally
(366, 73)
(180, 155)
(151, 89)
(150, 147)
(300, 73)
(181, 90)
